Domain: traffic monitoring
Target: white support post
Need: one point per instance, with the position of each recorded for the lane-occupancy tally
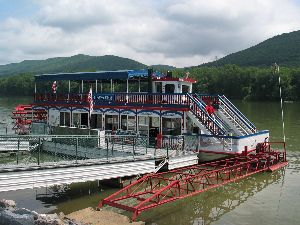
(111, 85)
(139, 84)
(71, 118)
(160, 124)
(69, 90)
(82, 86)
(184, 122)
(34, 87)
(127, 90)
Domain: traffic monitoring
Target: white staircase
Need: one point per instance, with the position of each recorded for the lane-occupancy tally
(229, 118)
(232, 116)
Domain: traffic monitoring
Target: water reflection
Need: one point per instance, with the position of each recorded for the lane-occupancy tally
(208, 207)
(59, 193)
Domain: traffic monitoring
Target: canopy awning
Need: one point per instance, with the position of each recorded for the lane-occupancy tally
(101, 75)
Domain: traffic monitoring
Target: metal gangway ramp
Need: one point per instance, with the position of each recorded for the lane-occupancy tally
(154, 190)
(34, 161)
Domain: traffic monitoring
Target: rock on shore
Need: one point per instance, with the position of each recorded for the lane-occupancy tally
(11, 215)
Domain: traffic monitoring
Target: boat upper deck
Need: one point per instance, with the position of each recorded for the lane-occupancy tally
(116, 99)
(162, 90)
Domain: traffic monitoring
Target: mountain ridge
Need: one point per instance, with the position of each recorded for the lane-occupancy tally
(283, 49)
(74, 63)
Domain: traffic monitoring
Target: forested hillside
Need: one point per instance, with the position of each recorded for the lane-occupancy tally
(247, 83)
(70, 64)
(283, 49)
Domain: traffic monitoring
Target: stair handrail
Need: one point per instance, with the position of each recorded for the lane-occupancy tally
(218, 119)
(223, 124)
(237, 112)
(236, 117)
(202, 108)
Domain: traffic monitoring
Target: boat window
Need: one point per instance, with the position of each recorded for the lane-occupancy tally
(96, 121)
(171, 126)
(124, 122)
(131, 122)
(185, 89)
(76, 119)
(64, 119)
(169, 88)
(128, 122)
(143, 125)
(158, 87)
(111, 122)
(84, 119)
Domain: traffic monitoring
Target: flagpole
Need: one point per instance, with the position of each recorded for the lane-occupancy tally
(91, 105)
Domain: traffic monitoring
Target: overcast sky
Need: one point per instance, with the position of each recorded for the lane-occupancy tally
(174, 32)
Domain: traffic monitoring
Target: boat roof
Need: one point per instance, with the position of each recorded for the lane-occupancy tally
(99, 75)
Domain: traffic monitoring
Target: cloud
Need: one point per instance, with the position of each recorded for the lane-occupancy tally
(180, 33)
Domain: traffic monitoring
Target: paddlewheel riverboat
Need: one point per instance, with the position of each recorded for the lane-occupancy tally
(142, 103)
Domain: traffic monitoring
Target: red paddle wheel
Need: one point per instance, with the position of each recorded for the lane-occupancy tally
(24, 115)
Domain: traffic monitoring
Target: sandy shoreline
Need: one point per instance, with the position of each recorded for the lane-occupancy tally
(102, 217)
(12, 215)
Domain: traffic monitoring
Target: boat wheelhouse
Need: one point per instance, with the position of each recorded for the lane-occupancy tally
(143, 103)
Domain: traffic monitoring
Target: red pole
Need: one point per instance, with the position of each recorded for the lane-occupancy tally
(246, 151)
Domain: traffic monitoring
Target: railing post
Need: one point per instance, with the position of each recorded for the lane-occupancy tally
(223, 141)
(199, 143)
(168, 147)
(106, 147)
(246, 151)
(133, 143)
(55, 152)
(156, 146)
(112, 145)
(17, 155)
(76, 153)
(39, 153)
(149, 146)
(183, 142)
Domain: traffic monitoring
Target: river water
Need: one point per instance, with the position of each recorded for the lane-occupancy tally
(266, 198)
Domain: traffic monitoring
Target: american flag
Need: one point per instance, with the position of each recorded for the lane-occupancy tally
(54, 87)
(90, 100)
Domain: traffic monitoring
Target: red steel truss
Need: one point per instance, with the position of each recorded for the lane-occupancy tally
(153, 190)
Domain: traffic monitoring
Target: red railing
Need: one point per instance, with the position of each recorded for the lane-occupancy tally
(60, 97)
(200, 112)
(117, 98)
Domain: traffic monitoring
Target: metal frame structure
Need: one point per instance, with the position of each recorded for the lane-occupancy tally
(154, 190)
